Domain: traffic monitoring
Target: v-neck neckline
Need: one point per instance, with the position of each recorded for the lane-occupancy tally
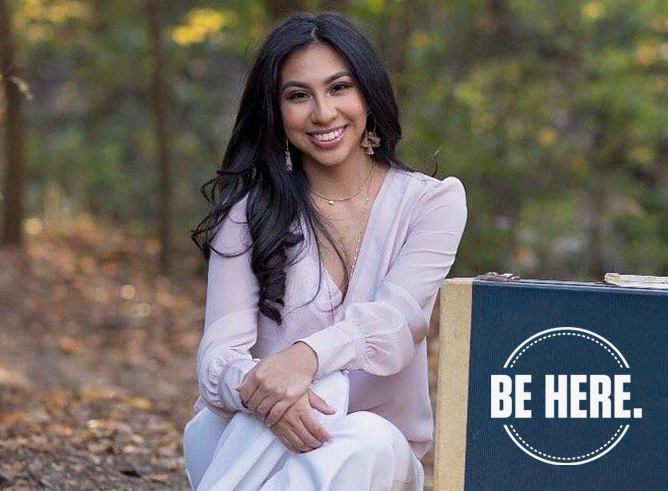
(363, 244)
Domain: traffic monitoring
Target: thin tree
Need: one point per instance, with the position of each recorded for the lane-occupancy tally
(14, 135)
(279, 9)
(159, 96)
(335, 5)
(396, 23)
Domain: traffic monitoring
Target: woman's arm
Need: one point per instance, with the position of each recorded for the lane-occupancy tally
(223, 357)
(381, 336)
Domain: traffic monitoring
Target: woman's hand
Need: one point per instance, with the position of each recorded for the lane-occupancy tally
(276, 382)
(298, 429)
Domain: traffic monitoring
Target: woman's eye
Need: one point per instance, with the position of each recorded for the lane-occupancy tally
(296, 95)
(341, 86)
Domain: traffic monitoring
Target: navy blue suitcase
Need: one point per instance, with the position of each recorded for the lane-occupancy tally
(551, 386)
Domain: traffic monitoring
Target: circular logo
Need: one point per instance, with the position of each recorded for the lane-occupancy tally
(563, 395)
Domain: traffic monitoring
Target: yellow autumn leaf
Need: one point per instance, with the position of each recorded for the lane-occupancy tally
(592, 11)
(140, 403)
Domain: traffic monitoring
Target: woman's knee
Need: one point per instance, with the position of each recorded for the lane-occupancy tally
(334, 389)
(371, 433)
(200, 437)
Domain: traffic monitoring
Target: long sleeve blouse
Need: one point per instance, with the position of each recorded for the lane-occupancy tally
(377, 335)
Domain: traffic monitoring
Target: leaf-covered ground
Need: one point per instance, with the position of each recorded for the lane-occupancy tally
(97, 362)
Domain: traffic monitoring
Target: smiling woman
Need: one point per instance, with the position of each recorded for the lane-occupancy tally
(323, 111)
(332, 392)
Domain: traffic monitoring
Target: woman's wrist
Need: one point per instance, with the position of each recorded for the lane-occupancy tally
(308, 356)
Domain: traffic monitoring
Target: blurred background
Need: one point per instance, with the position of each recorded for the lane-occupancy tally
(554, 114)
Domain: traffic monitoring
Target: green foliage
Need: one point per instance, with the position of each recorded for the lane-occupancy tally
(553, 114)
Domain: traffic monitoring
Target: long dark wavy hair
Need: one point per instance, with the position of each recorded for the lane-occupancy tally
(254, 161)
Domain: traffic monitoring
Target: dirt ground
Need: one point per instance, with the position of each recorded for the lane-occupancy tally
(97, 362)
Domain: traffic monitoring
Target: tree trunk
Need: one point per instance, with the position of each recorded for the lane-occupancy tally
(595, 247)
(279, 9)
(603, 158)
(159, 93)
(14, 136)
(340, 6)
(393, 36)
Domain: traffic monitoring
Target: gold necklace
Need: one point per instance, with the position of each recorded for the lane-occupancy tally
(361, 230)
(361, 233)
(331, 201)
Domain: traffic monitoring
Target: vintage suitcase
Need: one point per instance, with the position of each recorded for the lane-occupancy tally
(546, 385)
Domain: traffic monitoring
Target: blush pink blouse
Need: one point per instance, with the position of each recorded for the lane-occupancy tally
(377, 335)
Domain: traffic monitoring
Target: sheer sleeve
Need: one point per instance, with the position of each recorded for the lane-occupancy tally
(223, 357)
(381, 336)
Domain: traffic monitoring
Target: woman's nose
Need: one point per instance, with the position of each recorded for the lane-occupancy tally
(323, 111)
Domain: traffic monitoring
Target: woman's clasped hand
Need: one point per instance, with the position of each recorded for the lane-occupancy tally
(298, 429)
(277, 391)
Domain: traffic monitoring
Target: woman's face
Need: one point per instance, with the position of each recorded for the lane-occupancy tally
(324, 114)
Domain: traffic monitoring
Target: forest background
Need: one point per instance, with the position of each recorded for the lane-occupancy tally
(554, 114)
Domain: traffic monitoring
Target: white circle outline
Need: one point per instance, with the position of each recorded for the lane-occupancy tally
(566, 463)
(565, 329)
(548, 336)
(512, 355)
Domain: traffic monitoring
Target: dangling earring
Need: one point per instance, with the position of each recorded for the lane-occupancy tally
(288, 159)
(370, 139)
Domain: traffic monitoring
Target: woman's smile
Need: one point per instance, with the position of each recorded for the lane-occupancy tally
(328, 139)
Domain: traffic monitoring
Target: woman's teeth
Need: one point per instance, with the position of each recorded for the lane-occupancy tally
(332, 135)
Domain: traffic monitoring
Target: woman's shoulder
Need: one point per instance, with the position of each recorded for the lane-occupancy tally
(424, 188)
(232, 232)
(237, 212)
(436, 204)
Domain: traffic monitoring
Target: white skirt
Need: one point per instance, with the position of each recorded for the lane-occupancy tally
(367, 452)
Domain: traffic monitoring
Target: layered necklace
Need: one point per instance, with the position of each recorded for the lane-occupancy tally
(363, 217)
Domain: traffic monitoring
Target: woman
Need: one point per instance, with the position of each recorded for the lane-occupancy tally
(328, 256)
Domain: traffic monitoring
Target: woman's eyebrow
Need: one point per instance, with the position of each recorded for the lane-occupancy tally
(331, 78)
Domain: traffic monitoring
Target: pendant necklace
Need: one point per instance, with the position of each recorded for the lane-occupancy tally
(361, 232)
(361, 224)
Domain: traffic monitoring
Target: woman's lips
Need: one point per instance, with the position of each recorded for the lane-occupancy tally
(326, 145)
